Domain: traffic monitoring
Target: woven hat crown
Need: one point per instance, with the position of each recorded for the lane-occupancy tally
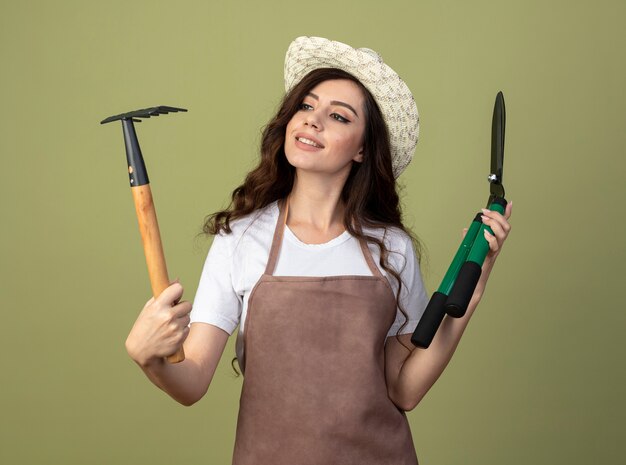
(391, 93)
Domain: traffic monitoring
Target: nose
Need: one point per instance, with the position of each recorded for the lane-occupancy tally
(312, 120)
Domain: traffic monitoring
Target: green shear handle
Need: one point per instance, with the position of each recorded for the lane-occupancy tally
(458, 285)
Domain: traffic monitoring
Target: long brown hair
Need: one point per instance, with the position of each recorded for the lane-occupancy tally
(369, 194)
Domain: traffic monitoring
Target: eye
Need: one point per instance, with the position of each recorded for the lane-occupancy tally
(339, 118)
(305, 106)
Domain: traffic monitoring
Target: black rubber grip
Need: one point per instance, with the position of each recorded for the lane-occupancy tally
(430, 321)
(461, 292)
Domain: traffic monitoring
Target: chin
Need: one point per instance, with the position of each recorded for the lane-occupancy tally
(298, 160)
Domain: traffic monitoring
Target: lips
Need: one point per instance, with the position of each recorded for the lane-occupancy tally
(309, 141)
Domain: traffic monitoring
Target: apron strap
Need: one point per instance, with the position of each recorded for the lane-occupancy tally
(283, 208)
(369, 259)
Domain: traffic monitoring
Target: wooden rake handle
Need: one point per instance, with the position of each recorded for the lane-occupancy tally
(153, 248)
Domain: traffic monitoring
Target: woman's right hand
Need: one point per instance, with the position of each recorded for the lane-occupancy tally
(161, 328)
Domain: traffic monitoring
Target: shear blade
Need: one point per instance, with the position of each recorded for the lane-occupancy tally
(497, 146)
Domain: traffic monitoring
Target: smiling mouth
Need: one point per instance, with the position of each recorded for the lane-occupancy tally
(310, 142)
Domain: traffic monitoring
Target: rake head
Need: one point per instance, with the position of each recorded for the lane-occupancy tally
(138, 175)
(144, 113)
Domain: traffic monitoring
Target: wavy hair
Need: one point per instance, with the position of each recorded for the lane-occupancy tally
(369, 194)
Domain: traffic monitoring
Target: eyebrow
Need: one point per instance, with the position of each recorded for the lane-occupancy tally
(336, 102)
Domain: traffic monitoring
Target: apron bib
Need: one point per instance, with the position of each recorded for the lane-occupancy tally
(314, 390)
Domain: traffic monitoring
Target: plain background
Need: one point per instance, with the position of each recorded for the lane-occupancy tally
(539, 375)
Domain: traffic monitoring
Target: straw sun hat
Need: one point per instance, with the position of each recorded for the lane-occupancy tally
(394, 98)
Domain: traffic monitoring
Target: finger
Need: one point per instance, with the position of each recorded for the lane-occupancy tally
(178, 325)
(493, 243)
(180, 334)
(496, 228)
(181, 309)
(496, 216)
(186, 330)
(463, 233)
(184, 320)
(508, 210)
(171, 295)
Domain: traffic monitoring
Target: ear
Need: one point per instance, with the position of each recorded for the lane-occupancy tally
(359, 156)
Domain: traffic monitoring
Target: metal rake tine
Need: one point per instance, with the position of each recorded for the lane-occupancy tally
(143, 113)
(173, 109)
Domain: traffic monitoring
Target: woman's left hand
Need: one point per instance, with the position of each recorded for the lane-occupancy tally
(411, 375)
(501, 228)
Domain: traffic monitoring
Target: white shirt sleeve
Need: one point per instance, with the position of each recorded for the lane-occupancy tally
(216, 301)
(413, 297)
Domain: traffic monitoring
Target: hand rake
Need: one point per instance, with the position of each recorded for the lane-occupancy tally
(144, 206)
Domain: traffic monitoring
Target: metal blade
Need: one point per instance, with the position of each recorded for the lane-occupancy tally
(497, 147)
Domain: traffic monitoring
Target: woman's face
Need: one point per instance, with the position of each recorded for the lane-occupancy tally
(326, 133)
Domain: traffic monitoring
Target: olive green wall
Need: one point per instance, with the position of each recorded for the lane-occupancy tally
(537, 378)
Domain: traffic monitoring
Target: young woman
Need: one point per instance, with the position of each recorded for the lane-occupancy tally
(314, 265)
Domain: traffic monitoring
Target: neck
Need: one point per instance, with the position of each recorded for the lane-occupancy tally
(315, 203)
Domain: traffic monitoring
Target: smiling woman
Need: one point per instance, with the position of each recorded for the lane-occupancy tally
(313, 264)
(328, 127)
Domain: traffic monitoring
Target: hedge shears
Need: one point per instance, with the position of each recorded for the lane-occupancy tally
(458, 285)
